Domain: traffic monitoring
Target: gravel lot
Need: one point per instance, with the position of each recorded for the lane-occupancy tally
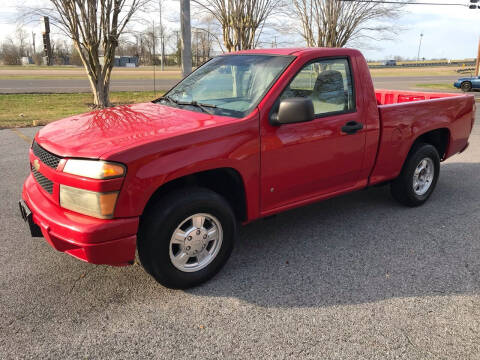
(357, 277)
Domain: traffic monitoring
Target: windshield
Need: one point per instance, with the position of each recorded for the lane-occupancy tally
(229, 85)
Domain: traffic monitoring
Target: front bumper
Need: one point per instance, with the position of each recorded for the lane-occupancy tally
(97, 241)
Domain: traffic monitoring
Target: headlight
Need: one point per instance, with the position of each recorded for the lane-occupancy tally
(100, 205)
(95, 169)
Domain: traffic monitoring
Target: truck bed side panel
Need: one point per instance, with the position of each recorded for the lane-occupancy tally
(403, 123)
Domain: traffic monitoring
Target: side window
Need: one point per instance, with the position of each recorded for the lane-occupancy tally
(327, 82)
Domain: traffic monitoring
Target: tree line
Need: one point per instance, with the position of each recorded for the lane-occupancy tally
(138, 44)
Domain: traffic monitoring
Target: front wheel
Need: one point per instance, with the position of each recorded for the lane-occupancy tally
(186, 237)
(419, 176)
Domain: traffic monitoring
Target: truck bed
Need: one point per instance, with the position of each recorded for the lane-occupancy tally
(406, 115)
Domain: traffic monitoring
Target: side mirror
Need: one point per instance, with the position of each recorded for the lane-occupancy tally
(293, 110)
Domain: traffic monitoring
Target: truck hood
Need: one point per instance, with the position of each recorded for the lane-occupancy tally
(110, 130)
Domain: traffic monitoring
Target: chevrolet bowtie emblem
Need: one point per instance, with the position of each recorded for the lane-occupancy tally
(36, 164)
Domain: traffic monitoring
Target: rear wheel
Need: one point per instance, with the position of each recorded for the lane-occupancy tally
(419, 176)
(466, 86)
(186, 237)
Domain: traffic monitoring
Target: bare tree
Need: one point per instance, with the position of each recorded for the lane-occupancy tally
(242, 21)
(61, 51)
(203, 46)
(94, 27)
(9, 52)
(203, 38)
(128, 46)
(75, 57)
(21, 37)
(211, 34)
(142, 44)
(149, 41)
(334, 23)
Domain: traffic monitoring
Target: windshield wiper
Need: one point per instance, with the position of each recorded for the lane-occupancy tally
(169, 99)
(200, 105)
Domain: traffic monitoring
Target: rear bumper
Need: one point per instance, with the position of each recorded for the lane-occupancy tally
(93, 240)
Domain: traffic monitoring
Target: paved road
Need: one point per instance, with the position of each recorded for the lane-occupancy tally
(81, 85)
(8, 86)
(357, 277)
(409, 82)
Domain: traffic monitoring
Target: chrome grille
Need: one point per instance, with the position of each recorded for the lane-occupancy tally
(45, 157)
(44, 182)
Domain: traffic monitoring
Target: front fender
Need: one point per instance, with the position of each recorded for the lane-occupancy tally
(235, 146)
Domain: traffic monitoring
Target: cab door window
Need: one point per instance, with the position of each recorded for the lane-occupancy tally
(328, 83)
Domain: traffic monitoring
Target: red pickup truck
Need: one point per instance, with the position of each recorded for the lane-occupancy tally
(246, 135)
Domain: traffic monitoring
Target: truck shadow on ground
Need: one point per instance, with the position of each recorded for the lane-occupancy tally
(359, 248)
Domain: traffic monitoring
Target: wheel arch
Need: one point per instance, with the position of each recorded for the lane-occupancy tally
(439, 138)
(226, 181)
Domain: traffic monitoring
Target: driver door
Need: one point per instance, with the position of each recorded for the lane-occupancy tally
(314, 159)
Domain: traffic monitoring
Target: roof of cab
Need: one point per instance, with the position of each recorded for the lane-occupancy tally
(288, 51)
(284, 51)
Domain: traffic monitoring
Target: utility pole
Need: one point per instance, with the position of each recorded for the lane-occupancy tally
(473, 7)
(196, 48)
(33, 43)
(478, 58)
(178, 46)
(186, 39)
(419, 46)
(162, 36)
(47, 47)
(153, 41)
(208, 44)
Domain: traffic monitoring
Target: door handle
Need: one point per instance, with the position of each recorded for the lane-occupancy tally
(352, 127)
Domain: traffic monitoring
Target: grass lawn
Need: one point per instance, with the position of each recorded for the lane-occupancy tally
(437, 86)
(36, 67)
(75, 72)
(37, 109)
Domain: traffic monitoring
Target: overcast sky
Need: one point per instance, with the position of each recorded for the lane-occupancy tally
(449, 31)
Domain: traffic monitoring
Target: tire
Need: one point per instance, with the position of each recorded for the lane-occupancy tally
(196, 253)
(403, 189)
(466, 86)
